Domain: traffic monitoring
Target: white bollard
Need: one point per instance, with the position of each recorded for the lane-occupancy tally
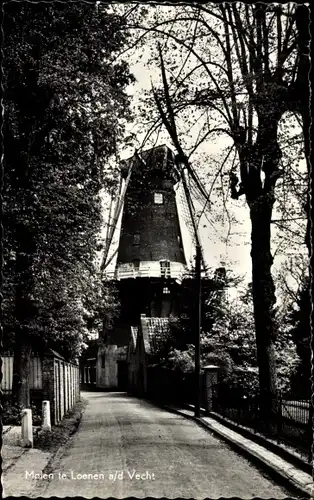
(27, 428)
(46, 422)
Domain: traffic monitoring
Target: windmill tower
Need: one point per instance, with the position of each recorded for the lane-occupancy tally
(152, 254)
(151, 246)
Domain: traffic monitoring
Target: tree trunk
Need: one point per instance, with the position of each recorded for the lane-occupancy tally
(24, 312)
(21, 370)
(264, 300)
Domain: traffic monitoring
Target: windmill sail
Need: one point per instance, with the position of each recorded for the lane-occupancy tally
(109, 221)
(118, 209)
(186, 225)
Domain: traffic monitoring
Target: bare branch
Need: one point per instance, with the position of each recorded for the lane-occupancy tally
(204, 64)
(157, 123)
(229, 66)
(167, 96)
(288, 31)
(259, 46)
(211, 131)
(242, 59)
(198, 66)
(279, 33)
(189, 52)
(215, 178)
(265, 39)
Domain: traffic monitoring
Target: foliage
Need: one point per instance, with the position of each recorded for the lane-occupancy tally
(295, 311)
(176, 348)
(230, 343)
(243, 383)
(65, 108)
(108, 305)
(241, 345)
(222, 359)
(300, 321)
(181, 361)
(255, 72)
(11, 414)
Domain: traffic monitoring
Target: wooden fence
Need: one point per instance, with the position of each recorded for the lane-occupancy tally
(66, 387)
(51, 378)
(35, 375)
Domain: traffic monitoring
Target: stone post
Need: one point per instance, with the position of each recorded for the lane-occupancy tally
(27, 428)
(46, 422)
(211, 381)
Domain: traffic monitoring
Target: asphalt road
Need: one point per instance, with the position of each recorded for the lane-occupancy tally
(128, 447)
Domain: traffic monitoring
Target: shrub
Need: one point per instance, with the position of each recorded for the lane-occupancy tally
(11, 414)
(244, 382)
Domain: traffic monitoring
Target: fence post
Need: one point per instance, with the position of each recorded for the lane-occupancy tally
(66, 387)
(62, 388)
(77, 379)
(71, 385)
(46, 425)
(27, 428)
(57, 392)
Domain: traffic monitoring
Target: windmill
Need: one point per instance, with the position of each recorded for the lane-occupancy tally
(186, 183)
(153, 219)
(158, 228)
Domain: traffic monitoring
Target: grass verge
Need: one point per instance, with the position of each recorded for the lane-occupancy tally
(60, 433)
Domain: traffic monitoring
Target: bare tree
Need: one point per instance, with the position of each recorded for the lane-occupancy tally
(242, 68)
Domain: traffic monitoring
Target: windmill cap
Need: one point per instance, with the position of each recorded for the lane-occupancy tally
(160, 160)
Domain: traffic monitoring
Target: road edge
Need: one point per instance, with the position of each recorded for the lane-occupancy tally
(275, 469)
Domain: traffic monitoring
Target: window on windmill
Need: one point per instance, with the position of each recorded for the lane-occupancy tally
(158, 198)
(165, 290)
(165, 269)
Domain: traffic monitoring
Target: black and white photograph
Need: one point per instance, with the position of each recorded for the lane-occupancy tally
(156, 292)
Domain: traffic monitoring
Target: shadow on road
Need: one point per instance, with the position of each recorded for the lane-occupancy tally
(98, 394)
